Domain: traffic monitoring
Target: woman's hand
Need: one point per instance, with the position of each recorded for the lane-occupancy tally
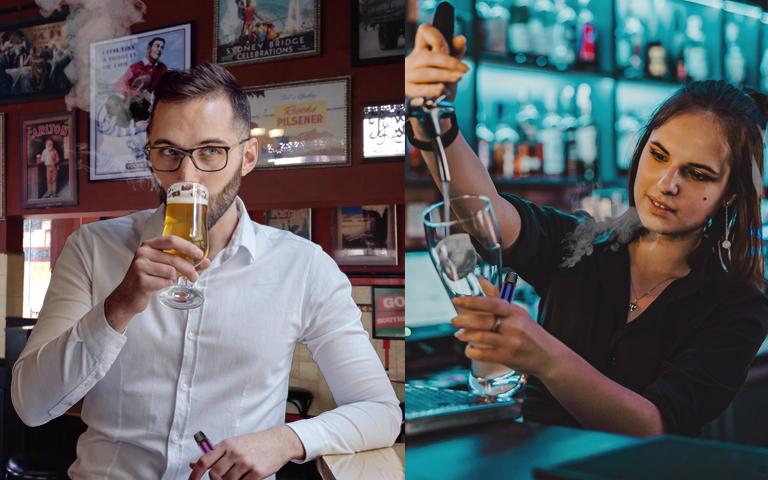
(520, 343)
(430, 70)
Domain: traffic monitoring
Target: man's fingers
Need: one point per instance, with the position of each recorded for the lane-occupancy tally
(205, 264)
(173, 242)
(164, 258)
(428, 37)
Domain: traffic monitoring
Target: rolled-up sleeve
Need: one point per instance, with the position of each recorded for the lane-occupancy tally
(71, 346)
(696, 386)
(368, 414)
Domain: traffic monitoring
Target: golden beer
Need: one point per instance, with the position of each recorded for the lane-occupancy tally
(186, 216)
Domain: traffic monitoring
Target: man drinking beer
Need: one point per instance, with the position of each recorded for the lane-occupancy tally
(152, 376)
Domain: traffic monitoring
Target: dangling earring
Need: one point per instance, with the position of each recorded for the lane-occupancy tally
(726, 242)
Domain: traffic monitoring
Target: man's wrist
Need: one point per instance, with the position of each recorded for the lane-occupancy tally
(293, 442)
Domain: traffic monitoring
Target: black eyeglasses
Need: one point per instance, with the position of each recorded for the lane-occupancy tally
(210, 158)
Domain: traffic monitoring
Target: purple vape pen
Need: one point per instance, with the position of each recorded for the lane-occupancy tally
(508, 289)
(202, 442)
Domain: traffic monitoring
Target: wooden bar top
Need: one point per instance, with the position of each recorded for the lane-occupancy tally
(381, 464)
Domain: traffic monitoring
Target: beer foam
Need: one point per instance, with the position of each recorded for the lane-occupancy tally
(187, 193)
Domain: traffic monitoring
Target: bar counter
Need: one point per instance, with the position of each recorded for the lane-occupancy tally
(380, 464)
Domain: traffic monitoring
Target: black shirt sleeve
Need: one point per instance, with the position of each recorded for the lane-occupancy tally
(696, 386)
(542, 244)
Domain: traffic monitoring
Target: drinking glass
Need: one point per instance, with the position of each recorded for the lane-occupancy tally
(459, 264)
(186, 216)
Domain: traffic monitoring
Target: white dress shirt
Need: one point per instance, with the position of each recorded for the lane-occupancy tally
(222, 368)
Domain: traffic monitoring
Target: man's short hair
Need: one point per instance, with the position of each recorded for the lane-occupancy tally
(205, 80)
(152, 42)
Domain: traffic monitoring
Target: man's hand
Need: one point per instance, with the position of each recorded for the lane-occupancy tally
(151, 270)
(250, 457)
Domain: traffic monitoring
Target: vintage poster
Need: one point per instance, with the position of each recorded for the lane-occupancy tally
(384, 131)
(298, 222)
(247, 31)
(303, 124)
(48, 160)
(378, 31)
(389, 312)
(124, 73)
(32, 62)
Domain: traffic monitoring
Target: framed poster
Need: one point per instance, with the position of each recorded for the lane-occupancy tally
(388, 312)
(384, 131)
(298, 222)
(378, 31)
(48, 160)
(365, 235)
(33, 56)
(302, 124)
(247, 31)
(124, 73)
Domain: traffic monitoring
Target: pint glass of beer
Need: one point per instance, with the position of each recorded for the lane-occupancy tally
(186, 216)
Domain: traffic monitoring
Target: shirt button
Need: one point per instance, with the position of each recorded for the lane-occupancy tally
(176, 439)
(117, 347)
(613, 361)
(184, 387)
(191, 335)
(88, 384)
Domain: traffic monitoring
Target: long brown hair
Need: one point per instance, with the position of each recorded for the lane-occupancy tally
(741, 121)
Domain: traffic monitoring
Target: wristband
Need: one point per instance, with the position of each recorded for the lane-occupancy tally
(448, 137)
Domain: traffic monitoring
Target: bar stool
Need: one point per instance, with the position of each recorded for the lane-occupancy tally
(301, 398)
(37, 466)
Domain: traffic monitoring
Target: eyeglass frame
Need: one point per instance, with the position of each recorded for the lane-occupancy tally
(190, 153)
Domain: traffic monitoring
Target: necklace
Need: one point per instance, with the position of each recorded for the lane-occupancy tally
(633, 303)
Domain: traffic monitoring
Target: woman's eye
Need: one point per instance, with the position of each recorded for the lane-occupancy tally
(658, 156)
(698, 175)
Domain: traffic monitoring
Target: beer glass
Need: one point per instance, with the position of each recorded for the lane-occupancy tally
(186, 216)
(453, 245)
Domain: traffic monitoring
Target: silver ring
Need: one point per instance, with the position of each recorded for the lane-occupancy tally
(496, 325)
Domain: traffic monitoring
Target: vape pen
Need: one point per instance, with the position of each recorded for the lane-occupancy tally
(508, 289)
(202, 442)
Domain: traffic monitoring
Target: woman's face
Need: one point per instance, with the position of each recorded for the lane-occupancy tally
(682, 175)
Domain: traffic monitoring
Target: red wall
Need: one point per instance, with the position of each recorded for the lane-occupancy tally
(319, 188)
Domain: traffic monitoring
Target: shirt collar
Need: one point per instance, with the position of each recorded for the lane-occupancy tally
(147, 62)
(243, 236)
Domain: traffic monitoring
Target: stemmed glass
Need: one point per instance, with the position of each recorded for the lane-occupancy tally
(186, 216)
(453, 245)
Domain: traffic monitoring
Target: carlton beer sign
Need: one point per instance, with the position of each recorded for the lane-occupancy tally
(389, 313)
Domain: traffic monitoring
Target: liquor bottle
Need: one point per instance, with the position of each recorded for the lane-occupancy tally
(540, 26)
(586, 35)
(627, 127)
(694, 51)
(630, 44)
(493, 23)
(764, 73)
(735, 62)
(586, 133)
(568, 125)
(485, 139)
(528, 159)
(505, 139)
(676, 54)
(551, 137)
(518, 34)
(563, 37)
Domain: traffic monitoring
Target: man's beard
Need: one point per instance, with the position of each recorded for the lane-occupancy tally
(218, 203)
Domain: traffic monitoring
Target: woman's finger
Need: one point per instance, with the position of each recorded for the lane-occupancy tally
(437, 60)
(492, 305)
(489, 289)
(483, 354)
(428, 90)
(428, 75)
(481, 337)
(430, 38)
(482, 321)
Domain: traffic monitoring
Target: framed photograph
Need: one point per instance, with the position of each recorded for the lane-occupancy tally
(302, 124)
(124, 73)
(298, 222)
(251, 31)
(378, 31)
(48, 160)
(388, 312)
(33, 56)
(384, 131)
(365, 235)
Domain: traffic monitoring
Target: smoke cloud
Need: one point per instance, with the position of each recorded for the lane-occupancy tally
(91, 21)
(589, 231)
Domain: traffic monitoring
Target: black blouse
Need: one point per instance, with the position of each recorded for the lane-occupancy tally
(688, 352)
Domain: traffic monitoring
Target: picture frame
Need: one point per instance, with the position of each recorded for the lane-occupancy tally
(388, 312)
(378, 32)
(296, 221)
(122, 77)
(33, 56)
(383, 131)
(365, 235)
(286, 29)
(49, 171)
(3, 168)
(302, 124)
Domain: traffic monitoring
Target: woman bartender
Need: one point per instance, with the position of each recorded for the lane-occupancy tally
(645, 327)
